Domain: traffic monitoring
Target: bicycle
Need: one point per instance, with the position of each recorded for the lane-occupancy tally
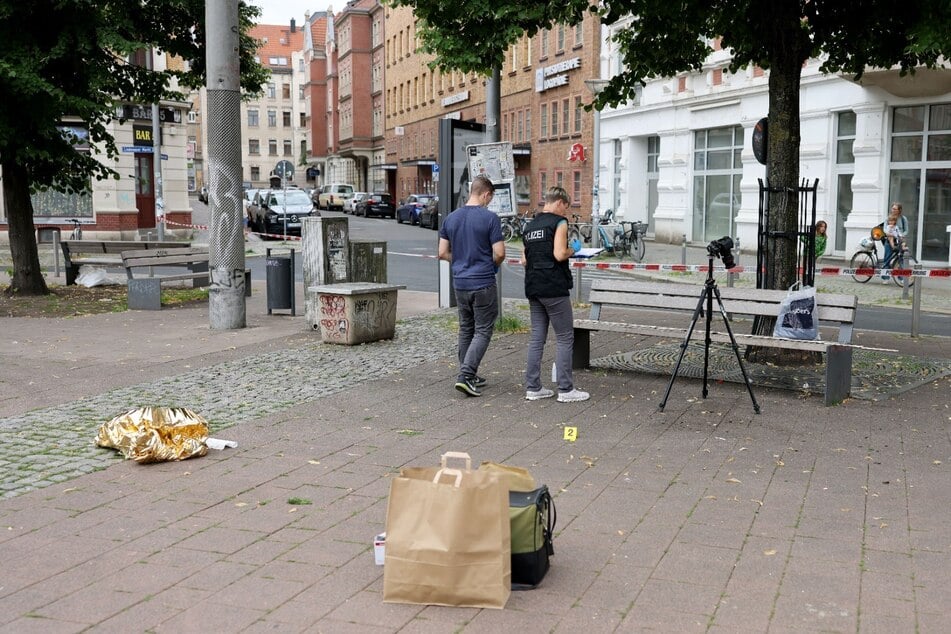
(865, 262)
(629, 240)
(582, 231)
(77, 233)
(514, 226)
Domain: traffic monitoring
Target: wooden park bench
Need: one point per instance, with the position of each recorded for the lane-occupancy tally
(104, 253)
(833, 310)
(145, 291)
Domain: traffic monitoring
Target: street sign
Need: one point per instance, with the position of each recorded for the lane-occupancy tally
(435, 168)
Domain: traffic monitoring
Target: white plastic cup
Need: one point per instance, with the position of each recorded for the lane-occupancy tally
(379, 548)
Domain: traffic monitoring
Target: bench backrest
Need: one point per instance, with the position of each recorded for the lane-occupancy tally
(836, 309)
(72, 247)
(161, 257)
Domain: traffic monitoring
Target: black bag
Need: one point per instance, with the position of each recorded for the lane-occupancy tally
(533, 518)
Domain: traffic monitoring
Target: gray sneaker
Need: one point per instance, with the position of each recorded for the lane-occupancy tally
(538, 394)
(573, 396)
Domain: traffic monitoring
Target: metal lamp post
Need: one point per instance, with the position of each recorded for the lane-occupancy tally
(596, 86)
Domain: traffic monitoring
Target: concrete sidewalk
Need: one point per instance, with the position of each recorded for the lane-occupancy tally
(703, 517)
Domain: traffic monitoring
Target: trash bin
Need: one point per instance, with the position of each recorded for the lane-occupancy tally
(280, 282)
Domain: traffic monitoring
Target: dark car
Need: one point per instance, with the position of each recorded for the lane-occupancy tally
(410, 209)
(429, 216)
(375, 205)
(274, 210)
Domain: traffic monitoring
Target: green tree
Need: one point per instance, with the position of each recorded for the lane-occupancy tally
(68, 59)
(664, 38)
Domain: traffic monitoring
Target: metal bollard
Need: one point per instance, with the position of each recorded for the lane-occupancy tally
(578, 284)
(683, 249)
(915, 302)
(730, 275)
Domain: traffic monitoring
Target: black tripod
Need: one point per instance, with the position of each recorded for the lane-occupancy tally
(709, 291)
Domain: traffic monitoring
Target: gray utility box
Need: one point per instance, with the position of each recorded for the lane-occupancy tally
(280, 282)
(368, 261)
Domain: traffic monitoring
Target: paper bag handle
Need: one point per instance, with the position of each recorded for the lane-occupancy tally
(449, 472)
(461, 455)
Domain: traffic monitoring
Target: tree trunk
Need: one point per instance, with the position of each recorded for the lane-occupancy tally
(27, 275)
(789, 52)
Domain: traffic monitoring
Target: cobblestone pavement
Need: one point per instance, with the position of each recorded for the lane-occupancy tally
(53, 444)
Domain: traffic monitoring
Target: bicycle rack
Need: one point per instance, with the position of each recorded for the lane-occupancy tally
(769, 234)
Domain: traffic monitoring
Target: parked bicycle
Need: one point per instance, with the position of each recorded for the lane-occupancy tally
(77, 233)
(578, 230)
(514, 226)
(865, 262)
(629, 240)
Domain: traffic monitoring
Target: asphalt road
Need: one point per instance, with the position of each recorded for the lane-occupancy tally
(411, 261)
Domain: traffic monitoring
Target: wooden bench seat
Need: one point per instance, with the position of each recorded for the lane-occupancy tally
(104, 253)
(833, 311)
(145, 291)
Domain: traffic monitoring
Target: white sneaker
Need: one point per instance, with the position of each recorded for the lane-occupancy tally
(573, 396)
(538, 395)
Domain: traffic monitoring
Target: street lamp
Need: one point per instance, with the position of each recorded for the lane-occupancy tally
(596, 86)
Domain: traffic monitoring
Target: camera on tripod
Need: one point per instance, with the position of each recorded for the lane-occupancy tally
(723, 249)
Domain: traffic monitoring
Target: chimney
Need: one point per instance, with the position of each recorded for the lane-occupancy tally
(293, 25)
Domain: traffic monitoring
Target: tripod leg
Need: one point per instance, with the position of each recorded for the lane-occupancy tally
(736, 349)
(683, 346)
(706, 338)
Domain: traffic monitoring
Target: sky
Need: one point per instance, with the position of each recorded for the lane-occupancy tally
(281, 11)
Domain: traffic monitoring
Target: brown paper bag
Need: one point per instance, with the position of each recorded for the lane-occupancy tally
(448, 538)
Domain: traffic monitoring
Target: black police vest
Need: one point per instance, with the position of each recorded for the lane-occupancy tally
(544, 276)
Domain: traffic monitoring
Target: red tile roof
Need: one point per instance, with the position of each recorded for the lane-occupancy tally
(280, 42)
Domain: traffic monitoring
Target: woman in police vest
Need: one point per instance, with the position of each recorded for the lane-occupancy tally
(548, 289)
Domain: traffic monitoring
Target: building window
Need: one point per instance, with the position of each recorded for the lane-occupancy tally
(543, 42)
(272, 118)
(254, 146)
(920, 173)
(286, 118)
(653, 176)
(560, 42)
(272, 147)
(542, 186)
(579, 34)
(521, 126)
(565, 119)
(255, 173)
(560, 179)
(716, 181)
(543, 117)
(528, 125)
(579, 114)
(300, 91)
(272, 90)
(576, 187)
(844, 168)
(285, 91)
(303, 149)
(253, 118)
(554, 119)
(287, 148)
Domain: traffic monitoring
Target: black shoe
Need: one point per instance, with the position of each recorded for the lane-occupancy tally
(467, 387)
(478, 381)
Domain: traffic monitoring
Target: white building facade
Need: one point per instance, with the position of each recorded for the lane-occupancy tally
(681, 158)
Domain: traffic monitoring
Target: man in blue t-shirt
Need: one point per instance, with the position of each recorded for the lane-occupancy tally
(471, 239)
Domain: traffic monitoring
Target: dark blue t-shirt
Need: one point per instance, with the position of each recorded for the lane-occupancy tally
(471, 231)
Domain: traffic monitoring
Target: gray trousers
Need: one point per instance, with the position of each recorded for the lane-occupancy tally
(557, 312)
(478, 311)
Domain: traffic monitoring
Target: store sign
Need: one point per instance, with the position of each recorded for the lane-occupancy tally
(142, 135)
(139, 112)
(555, 75)
(459, 97)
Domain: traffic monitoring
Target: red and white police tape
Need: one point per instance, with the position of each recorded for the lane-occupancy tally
(662, 268)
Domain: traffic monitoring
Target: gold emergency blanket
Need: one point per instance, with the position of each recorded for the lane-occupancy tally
(156, 434)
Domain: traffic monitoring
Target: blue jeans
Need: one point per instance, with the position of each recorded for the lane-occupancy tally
(478, 311)
(557, 312)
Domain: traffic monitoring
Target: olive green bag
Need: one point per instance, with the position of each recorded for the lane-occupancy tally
(533, 518)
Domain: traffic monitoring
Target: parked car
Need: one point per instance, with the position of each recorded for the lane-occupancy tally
(274, 210)
(350, 205)
(429, 216)
(333, 196)
(376, 205)
(410, 208)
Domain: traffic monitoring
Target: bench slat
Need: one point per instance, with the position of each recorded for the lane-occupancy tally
(159, 257)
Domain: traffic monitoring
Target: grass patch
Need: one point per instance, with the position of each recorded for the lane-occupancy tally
(510, 324)
(299, 501)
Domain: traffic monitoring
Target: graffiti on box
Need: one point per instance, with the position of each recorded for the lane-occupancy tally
(369, 312)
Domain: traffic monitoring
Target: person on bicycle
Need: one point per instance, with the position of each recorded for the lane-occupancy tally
(901, 223)
(893, 240)
(548, 289)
